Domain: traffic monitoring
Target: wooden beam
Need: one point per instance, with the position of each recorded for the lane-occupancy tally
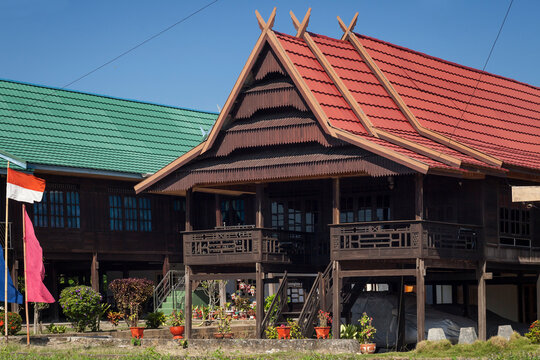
(189, 205)
(303, 26)
(482, 327)
(266, 25)
(259, 199)
(377, 273)
(419, 196)
(259, 297)
(491, 160)
(188, 297)
(347, 29)
(336, 299)
(348, 97)
(335, 200)
(223, 276)
(420, 300)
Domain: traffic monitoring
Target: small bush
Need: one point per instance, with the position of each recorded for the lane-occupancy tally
(81, 305)
(534, 332)
(14, 323)
(433, 346)
(499, 342)
(155, 320)
(129, 295)
(54, 329)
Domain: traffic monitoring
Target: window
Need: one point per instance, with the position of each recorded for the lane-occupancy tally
(233, 212)
(346, 211)
(514, 221)
(278, 215)
(58, 209)
(365, 208)
(130, 213)
(294, 210)
(312, 215)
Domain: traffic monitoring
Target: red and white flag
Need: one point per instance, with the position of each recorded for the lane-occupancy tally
(24, 187)
(35, 271)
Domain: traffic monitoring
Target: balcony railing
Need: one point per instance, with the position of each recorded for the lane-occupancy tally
(244, 244)
(404, 239)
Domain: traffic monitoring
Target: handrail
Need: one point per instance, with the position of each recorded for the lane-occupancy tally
(413, 221)
(171, 282)
(276, 307)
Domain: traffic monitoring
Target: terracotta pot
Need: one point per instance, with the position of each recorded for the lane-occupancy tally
(322, 332)
(368, 348)
(218, 336)
(137, 332)
(228, 336)
(283, 332)
(177, 331)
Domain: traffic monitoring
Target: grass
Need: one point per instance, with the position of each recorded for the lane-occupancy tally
(519, 348)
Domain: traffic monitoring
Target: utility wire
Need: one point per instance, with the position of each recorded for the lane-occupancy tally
(483, 69)
(123, 54)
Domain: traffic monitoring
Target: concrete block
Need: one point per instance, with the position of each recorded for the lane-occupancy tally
(436, 334)
(505, 331)
(467, 335)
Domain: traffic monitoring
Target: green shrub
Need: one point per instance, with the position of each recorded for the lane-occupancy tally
(534, 332)
(498, 342)
(54, 329)
(81, 305)
(155, 320)
(14, 323)
(296, 333)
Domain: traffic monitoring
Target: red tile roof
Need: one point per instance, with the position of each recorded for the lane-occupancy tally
(494, 115)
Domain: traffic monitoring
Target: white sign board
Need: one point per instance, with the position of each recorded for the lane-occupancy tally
(525, 193)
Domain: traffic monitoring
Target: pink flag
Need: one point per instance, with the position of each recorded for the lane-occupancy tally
(35, 271)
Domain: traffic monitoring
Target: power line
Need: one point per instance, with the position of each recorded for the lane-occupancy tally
(141, 43)
(483, 69)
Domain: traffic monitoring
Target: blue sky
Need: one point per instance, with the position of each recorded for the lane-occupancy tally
(195, 64)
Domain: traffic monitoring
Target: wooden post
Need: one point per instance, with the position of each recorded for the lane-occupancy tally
(466, 299)
(520, 299)
(336, 299)
(401, 316)
(54, 291)
(335, 200)
(322, 293)
(189, 200)
(259, 297)
(187, 311)
(166, 266)
(94, 272)
(420, 300)
(15, 279)
(482, 301)
(538, 297)
(419, 196)
(259, 217)
(217, 200)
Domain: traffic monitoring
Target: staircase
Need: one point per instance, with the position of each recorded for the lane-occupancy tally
(275, 310)
(169, 294)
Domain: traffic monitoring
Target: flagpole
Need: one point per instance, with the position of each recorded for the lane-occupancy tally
(6, 261)
(25, 284)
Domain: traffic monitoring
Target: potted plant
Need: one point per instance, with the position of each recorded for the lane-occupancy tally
(283, 332)
(323, 330)
(224, 325)
(176, 323)
(130, 294)
(366, 333)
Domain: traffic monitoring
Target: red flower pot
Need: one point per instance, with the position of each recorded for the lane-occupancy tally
(137, 332)
(228, 336)
(283, 332)
(218, 336)
(177, 331)
(322, 332)
(367, 348)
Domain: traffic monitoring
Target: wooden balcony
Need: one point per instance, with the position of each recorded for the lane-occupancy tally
(404, 239)
(245, 244)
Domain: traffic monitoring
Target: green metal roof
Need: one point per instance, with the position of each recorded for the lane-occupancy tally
(47, 126)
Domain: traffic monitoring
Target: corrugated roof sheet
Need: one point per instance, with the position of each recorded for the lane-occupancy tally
(49, 126)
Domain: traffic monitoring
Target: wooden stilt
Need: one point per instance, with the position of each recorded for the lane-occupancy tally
(538, 298)
(401, 316)
(259, 297)
(188, 312)
(520, 299)
(25, 277)
(259, 218)
(217, 206)
(166, 266)
(336, 301)
(420, 300)
(466, 300)
(6, 260)
(482, 301)
(94, 273)
(14, 278)
(189, 200)
(335, 200)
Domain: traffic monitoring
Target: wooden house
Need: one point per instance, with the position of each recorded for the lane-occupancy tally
(361, 161)
(91, 150)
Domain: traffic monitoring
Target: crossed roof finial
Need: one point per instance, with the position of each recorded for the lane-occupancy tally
(347, 29)
(300, 27)
(266, 25)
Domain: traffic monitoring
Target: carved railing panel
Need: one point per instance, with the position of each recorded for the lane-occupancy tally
(451, 236)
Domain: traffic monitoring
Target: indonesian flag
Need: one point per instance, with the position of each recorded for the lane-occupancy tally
(24, 187)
